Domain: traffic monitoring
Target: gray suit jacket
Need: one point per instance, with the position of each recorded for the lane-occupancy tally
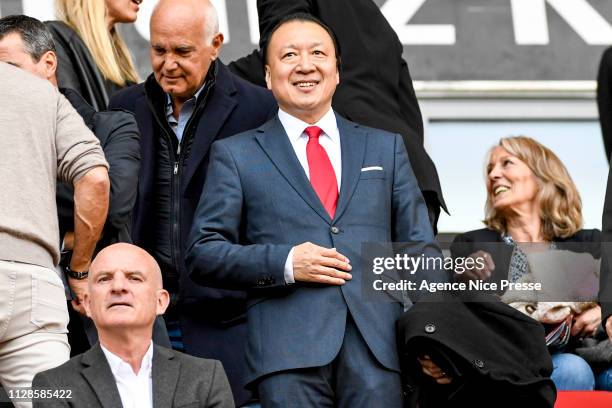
(179, 380)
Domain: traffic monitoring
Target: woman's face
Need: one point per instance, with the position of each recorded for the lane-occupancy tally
(121, 11)
(510, 182)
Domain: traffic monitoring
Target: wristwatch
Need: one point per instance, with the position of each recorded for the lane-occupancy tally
(75, 275)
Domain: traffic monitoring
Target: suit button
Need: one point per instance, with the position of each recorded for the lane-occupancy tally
(430, 328)
(479, 363)
(335, 230)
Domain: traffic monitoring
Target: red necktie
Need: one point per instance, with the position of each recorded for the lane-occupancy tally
(322, 175)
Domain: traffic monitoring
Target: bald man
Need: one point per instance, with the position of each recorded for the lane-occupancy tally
(189, 101)
(125, 369)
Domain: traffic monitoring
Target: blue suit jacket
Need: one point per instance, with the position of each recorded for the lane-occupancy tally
(258, 203)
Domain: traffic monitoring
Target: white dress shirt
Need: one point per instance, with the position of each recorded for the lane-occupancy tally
(329, 140)
(135, 390)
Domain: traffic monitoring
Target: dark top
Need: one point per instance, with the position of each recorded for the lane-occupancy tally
(491, 241)
(118, 134)
(375, 85)
(76, 68)
(605, 278)
(604, 99)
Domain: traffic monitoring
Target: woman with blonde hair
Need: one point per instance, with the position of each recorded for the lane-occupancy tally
(531, 199)
(92, 57)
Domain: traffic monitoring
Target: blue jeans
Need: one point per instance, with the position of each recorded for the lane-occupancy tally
(603, 380)
(571, 372)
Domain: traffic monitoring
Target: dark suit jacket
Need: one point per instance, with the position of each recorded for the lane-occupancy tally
(212, 320)
(179, 381)
(375, 86)
(259, 203)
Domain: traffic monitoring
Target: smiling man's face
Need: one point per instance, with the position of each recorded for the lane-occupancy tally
(301, 69)
(125, 289)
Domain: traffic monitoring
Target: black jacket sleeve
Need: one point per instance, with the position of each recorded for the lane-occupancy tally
(118, 133)
(605, 276)
(408, 103)
(250, 68)
(604, 99)
(122, 151)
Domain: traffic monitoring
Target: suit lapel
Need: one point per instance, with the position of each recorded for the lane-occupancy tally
(98, 374)
(219, 106)
(353, 144)
(274, 141)
(165, 375)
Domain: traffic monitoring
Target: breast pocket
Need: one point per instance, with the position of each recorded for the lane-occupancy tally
(372, 174)
(373, 195)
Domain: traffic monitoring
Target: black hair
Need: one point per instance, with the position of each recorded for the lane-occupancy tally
(37, 39)
(304, 17)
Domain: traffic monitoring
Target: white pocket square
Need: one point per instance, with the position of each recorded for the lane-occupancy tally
(371, 168)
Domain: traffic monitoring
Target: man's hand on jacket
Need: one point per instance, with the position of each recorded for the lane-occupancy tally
(313, 263)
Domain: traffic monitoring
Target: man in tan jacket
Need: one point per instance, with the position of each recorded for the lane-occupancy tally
(42, 139)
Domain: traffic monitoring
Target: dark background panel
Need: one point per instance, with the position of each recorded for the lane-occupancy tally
(485, 48)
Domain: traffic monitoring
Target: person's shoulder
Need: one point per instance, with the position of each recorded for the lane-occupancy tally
(245, 88)
(115, 123)
(607, 57)
(22, 85)
(60, 29)
(585, 235)
(131, 92)
(128, 97)
(247, 136)
(191, 363)
(478, 235)
(60, 373)
(344, 123)
(115, 117)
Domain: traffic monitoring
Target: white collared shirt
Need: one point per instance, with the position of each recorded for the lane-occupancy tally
(135, 390)
(329, 139)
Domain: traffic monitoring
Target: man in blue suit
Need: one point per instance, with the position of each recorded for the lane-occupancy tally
(283, 215)
(189, 101)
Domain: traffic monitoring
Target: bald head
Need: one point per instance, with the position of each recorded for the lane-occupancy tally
(182, 11)
(125, 290)
(185, 40)
(127, 257)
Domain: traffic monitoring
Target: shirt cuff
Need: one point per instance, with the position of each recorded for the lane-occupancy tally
(289, 279)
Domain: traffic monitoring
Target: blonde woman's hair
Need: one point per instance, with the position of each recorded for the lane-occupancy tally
(560, 204)
(111, 55)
